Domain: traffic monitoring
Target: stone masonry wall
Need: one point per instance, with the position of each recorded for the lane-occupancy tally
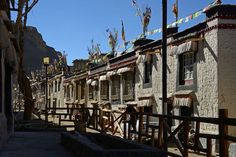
(154, 87)
(226, 68)
(205, 79)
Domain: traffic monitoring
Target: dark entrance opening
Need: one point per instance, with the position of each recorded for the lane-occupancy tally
(8, 98)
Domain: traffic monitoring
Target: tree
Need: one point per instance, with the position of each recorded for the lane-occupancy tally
(23, 81)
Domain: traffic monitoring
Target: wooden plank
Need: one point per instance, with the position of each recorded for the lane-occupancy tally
(230, 121)
(177, 141)
(172, 134)
(117, 124)
(230, 138)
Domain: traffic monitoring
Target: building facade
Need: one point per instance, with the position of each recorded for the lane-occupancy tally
(8, 72)
(200, 61)
(200, 73)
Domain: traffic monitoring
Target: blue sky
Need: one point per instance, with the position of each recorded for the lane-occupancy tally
(71, 25)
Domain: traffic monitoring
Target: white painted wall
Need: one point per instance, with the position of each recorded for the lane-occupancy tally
(226, 70)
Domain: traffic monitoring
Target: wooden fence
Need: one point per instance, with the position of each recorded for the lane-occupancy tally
(119, 123)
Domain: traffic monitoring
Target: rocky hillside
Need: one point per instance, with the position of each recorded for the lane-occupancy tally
(35, 49)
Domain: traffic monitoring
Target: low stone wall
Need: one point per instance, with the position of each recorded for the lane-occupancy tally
(102, 145)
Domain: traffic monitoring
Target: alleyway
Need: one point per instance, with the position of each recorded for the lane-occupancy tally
(34, 144)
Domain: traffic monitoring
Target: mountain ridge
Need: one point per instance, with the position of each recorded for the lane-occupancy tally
(35, 48)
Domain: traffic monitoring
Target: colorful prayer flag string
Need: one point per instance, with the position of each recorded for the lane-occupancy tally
(180, 21)
(184, 20)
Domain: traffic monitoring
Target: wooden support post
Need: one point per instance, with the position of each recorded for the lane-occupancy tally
(153, 137)
(140, 130)
(160, 134)
(112, 123)
(125, 128)
(83, 112)
(147, 123)
(70, 114)
(223, 131)
(109, 119)
(59, 120)
(129, 129)
(103, 122)
(186, 132)
(209, 147)
(96, 118)
(196, 137)
(100, 118)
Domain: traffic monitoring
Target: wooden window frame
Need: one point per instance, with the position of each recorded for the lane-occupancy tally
(128, 92)
(115, 89)
(148, 69)
(186, 68)
(104, 90)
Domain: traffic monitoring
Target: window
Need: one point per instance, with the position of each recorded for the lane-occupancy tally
(115, 90)
(90, 91)
(72, 92)
(128, 86)
(95, 92)
(83, 82)
(49, 89)
(104, 90)
(55, 86)
(59, 86)
(148, 69)
(77, 91)
(64, 91)
(68, 92)
(186, 68)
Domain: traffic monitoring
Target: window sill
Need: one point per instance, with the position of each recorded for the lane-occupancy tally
(147, 85)
(186, 87)
(128, 97)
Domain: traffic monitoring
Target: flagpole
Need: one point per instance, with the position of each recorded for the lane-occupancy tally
(123, 34)
(177, 15)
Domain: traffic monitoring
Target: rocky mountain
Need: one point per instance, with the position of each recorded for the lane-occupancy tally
(35, 49)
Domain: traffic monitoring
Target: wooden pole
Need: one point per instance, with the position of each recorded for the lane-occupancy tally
(186, 132)
(223, 131)
(164, 67)
(209, 147)
(177, 15)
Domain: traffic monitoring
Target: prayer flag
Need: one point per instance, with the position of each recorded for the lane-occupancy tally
(122, 31)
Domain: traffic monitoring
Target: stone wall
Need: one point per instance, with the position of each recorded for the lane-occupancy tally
(154, 87)
(205, 87)
(226, 69)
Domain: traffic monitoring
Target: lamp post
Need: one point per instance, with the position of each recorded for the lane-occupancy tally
(46, 64)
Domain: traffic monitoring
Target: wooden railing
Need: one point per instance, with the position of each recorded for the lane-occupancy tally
(104, 120)
(223, 122)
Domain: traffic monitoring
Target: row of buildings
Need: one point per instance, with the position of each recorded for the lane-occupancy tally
(200, 73)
